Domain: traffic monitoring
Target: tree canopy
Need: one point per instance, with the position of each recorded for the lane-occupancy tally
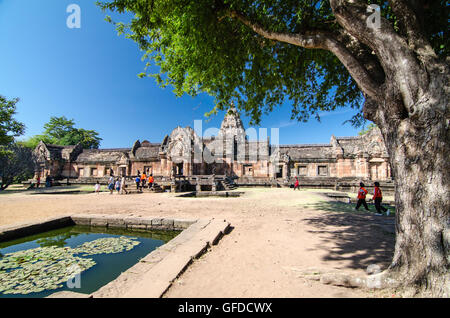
(9, 127)
(61, 131)
(235, 51)
(16, 165)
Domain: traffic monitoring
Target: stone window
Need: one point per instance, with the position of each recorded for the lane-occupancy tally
(81, 172)
(302, 170)
(94, 172)
(248, 170)
(148, 170)
(322, 170)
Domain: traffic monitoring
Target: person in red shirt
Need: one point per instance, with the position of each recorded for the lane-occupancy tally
(150, 181)
(362, 192)
(377, 198)
(143, 180)
(296, 185)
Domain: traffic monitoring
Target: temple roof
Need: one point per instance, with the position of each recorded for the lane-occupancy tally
(147, 152)
(102, 155)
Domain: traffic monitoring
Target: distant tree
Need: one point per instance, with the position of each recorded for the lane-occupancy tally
(61, 131)
(367, 129)
(33, 141)
(59, 127)
(87, 138)
(9, 127)
(16, 165)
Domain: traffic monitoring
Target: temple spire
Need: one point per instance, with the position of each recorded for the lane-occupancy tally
(232, 124)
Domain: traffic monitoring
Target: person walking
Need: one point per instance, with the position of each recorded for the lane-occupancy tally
(111, 186)
(362, 192)
(378, 198)
(123, 186)
(143, 179)
(297, 184)
(138, 182)
(117, 186)
(150, 181)
(111, 180)
(97, 187)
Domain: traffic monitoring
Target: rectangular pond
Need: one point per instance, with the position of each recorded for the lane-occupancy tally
(42, 264)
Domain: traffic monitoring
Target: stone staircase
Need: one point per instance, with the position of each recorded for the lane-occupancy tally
(131, 188)
(229, 184)
(156, 188)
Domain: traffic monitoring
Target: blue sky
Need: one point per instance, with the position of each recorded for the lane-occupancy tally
(90, 75)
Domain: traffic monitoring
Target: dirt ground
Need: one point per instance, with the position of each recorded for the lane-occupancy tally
(276, 233)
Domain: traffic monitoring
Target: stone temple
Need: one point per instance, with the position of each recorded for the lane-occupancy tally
(229, 157)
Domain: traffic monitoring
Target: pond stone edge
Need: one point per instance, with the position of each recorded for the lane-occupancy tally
(11, 232)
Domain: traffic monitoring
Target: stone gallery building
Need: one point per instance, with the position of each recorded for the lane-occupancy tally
(183, 155)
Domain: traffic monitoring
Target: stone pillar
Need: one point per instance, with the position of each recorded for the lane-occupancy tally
(285, 170)
(388, 170)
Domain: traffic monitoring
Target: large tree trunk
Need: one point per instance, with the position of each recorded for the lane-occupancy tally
(418, 146)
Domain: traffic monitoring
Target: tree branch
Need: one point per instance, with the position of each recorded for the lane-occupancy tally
(319, 40)
(396, 57)
(414, 31)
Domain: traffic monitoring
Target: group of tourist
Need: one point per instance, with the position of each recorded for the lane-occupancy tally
(142, 179)
(37, 182)
(117, 184)
(377, 198)
(362, 192)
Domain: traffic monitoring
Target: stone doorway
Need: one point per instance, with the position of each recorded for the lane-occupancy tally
(279, 172)
(178, 169)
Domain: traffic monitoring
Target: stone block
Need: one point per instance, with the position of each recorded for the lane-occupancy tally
(129, 221)
(82, 219)
(181, 224)
(138, 227)
(116, 222)
(167, 224)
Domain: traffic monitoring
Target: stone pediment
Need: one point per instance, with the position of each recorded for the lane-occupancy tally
(41, 153)
(181, 144)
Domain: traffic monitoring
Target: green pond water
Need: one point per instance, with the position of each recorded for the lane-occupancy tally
(40, 265)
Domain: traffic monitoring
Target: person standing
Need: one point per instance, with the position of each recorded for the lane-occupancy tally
(297, 184)
(48, 181)
(362, 192)
(377, 198)
(38, 181)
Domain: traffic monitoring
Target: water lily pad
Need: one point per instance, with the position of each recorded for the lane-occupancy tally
(48, 268)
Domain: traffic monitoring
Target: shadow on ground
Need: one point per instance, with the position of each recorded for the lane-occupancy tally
(359, 237)
(334, 206)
